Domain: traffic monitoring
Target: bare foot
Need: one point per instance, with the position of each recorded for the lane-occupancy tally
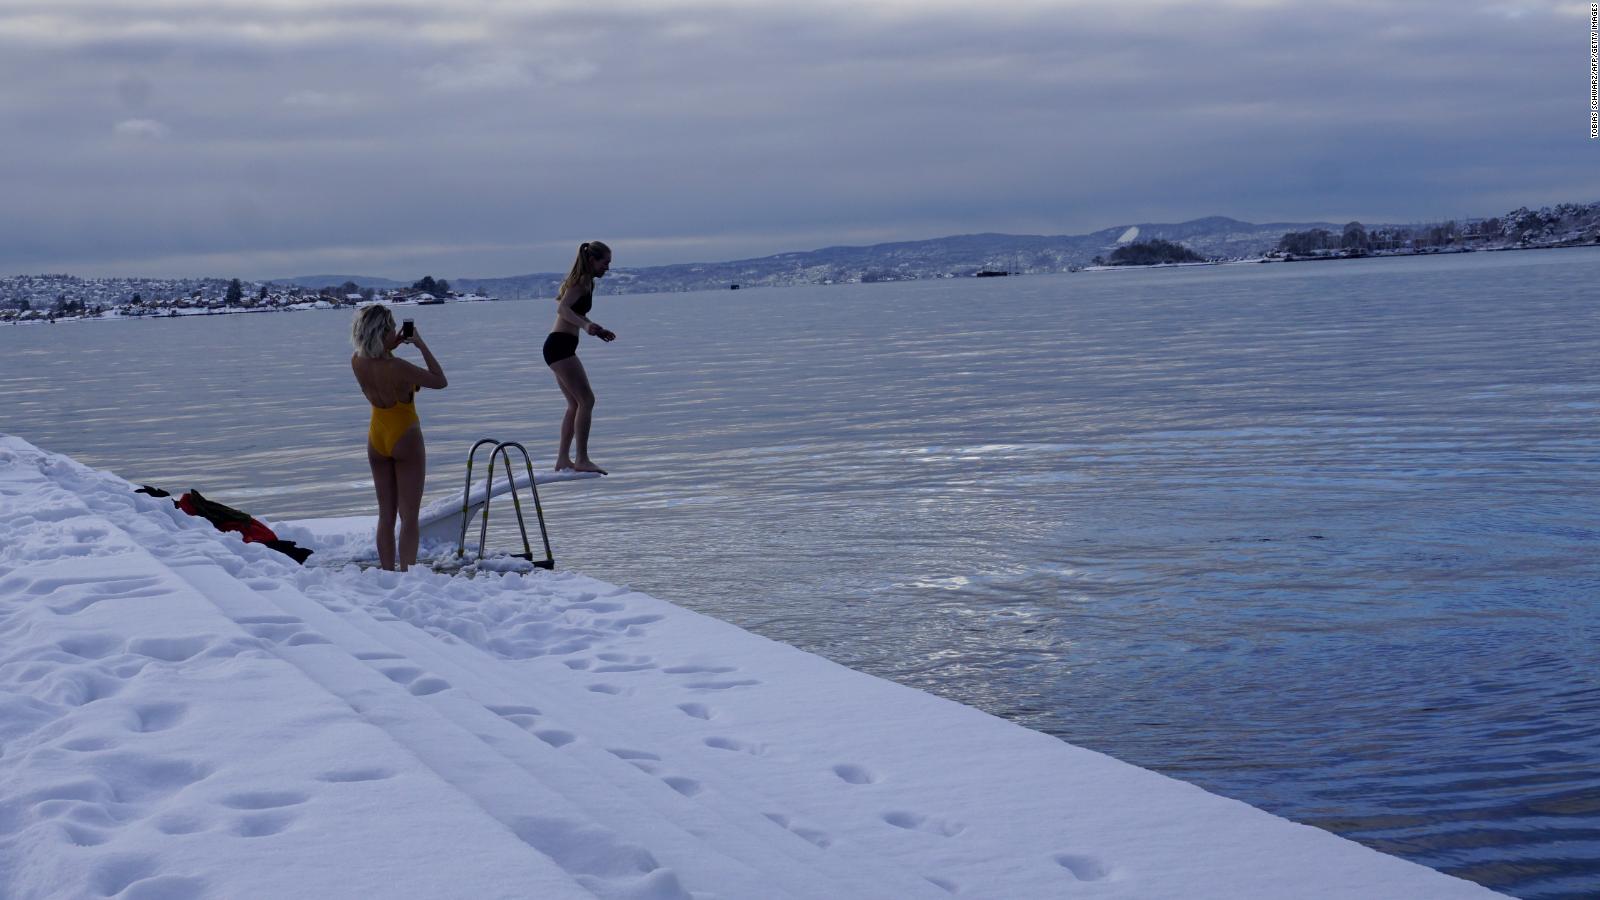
(585, 465)
(563, 464)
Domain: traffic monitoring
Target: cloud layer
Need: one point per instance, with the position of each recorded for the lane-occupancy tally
(485, 137)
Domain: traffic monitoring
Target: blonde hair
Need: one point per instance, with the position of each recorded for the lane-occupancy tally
(369, 330)
(580, 274)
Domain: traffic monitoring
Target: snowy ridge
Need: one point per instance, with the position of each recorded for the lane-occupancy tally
(183, 715)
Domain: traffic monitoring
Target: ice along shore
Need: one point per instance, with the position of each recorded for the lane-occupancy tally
(183, 715)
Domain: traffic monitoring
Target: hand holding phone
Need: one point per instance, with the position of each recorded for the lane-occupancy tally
(408, 330)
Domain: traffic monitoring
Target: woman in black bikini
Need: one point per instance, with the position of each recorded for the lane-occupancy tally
(561, 349)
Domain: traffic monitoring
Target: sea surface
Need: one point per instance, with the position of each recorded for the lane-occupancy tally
(1322, 537)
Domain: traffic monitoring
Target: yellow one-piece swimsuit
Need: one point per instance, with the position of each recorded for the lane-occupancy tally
(389, 424)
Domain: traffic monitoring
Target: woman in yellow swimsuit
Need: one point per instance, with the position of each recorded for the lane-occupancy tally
(394, 437)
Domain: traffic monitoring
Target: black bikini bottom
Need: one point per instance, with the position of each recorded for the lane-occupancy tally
(558, 346)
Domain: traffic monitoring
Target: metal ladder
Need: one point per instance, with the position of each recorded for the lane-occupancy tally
(500, 447)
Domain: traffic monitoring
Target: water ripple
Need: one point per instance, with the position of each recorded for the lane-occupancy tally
(1319, 538)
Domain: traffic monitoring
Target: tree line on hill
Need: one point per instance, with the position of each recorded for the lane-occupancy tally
(1356, 238)
(1149, 253)
(1564, 223)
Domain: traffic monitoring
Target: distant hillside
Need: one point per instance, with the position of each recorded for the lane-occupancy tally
(1215, 236)
(322, 281)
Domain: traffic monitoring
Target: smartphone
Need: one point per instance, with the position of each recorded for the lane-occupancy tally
(407, 329)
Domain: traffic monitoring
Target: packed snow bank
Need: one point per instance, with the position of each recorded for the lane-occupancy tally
(184, 715)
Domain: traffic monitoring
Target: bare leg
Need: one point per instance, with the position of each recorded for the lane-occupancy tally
(383, 478)
(564, 458)
(411, 469)
(575, 384)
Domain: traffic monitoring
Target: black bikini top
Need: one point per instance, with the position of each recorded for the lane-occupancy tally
(582, 305)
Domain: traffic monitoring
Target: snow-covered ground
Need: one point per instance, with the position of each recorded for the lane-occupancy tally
(185, 715)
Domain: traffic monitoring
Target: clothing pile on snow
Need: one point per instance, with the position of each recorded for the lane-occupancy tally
(226, 518)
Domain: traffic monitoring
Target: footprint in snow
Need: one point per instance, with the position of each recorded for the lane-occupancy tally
(150, 717)
(180, 823)
(345, 776)
(721, 685)
(627, 623)
(91, 591)
(524, 717)
(813, 835)
(727, 743)
(599, 855)
(263, 824)
(509, 710)
(853, 774)
(415, 680)
(92, 646)
(431, 684)
(269, 620)
(911, 821)
(264, 799)
(166, 887)
(605, 689)
(170, 649)
(401, 675)
(697, 710)
(281, 630)
(595, 607)
(115, 873)
(267, 812)
(127, 779)
(555, 737)
(621, 662)
(620, 657)
(685, 786)
(1083, 867)
(646, 762)
(81, 836)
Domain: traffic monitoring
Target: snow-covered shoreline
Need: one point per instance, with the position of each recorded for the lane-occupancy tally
(186, 715)
(121, 314)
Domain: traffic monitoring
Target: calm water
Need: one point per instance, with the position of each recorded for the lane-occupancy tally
(1319, 537)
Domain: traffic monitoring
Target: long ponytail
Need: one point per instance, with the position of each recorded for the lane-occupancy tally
(580, 274)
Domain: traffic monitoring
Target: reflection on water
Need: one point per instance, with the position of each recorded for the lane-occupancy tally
(1321, 538)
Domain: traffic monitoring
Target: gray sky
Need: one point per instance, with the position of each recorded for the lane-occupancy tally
(487, 137)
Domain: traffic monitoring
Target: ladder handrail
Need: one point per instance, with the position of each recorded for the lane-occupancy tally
(502, 447)
(538, 508)
(466, 496)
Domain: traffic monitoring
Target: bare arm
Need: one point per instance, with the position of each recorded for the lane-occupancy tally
(565, 311)
(433, 376)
